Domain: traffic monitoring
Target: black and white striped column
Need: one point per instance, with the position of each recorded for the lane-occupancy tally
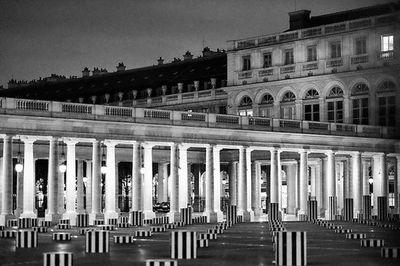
(183, 245)
(231, 213)
(82, 220)
(382, 208)
(161, 262)
(57, 259)
(366, 206)
(136, 218)
(312, 210)
(97, 242)
(291, 248)
(273, 212)
(186, 215)
(348, 209)
(26, 239)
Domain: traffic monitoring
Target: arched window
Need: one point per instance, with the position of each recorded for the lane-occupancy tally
(387, 86)
(311, 108)
(312, 94)
(335, 105)
(245, 106)
(386, 97)
(267, 99)
(360, 89)
(246, 101)
(336, 92)
(266, 108)
(288, 97)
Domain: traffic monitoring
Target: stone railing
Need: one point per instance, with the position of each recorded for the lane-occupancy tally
(25, 107)
(341, 27)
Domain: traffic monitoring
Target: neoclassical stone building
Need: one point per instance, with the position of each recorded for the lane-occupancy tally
(309, 115)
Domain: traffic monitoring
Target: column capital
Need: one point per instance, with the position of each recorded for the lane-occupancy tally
(329, 152)
(303, 151)
(356, 153)
(183, 146)
(71, 141)
(110, 143)
(28, 139)
(147, 145)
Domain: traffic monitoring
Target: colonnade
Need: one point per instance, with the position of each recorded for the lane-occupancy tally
(313, 174)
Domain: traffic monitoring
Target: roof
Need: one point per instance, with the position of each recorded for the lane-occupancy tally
(352, 14)
(186, 71)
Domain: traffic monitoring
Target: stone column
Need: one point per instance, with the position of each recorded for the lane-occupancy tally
(380, 180)
(20, 191)
(313, 181)
(88, 186)
(303, 181)
(279, 180)
(357, 187)
(165, 180)
(189, 184)
(110, 182)
(183, 177)
(319, 187)
(79, 188)
(274, 177)
(96, 183)
(28, 201)
(330, 186)
(291, 174)
(6, 182)
(148, 182)
(160, 189)
(217, 215)
(70, 212)
(174, 214)
(209, 180)
(397, 184)
(136, 179)
(52, 183)
(256, 188)
(1, 186)
(232, 183)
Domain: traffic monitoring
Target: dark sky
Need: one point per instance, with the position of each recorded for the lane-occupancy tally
(41, 37)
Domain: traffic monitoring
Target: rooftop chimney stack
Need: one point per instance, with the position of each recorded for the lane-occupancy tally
(121, 67)
(85, 72)
(96, 71)
(160, 61)
(187, 56)
(299, 19)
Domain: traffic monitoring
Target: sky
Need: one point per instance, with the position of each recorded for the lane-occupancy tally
(42, 37)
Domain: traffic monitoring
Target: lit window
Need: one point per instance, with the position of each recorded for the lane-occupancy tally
(336, 49)
(386, 43)
(246, 63)
(289, 57)
(311, 53)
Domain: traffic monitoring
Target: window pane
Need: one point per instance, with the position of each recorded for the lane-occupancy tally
(330, 105)
(307, 108)
(339, 105)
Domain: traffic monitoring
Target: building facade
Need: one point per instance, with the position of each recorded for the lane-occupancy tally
(307, 115)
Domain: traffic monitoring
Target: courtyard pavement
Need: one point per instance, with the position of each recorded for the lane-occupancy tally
(242, 244)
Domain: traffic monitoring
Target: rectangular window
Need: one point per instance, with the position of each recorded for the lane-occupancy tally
(335, 111)
(288, 112)
(386, 43)
(311, 112)
(360, 46)
(336, 49)
(387, 111)
(289, 57)
(267, 60)
(360, 111)
(246, 63)
(311, 53)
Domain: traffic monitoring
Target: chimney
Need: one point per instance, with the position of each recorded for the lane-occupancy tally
(95, 71)
(85, 72)
(160, 61)
(121, 67)
(299, 19)
(187, 56)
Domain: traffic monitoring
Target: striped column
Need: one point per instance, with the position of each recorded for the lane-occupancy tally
(26, 239)
(186, 215)
(231, 214)
(82, 220)
(183, 245)
(58, 259)
(273, 212)
(348, 209)
(71, 181)
(136, 218)
(382, 208)
(332, 208)
(161, 262)
(291, 248)
(97, 242)
(312, 210)
(233, 183)
(367, 209)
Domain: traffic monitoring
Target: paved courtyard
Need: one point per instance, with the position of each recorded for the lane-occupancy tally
(242, 244)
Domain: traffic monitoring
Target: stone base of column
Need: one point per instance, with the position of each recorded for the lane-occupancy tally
(52, 217)
(302, 215)
(149, 214)
(248, 216)
(71, 216)
(110, 215)
(257, 213)
(18, 212)
(28, 215)
(95, 216)
(174, 217)
(214, 217)
(5, 217)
